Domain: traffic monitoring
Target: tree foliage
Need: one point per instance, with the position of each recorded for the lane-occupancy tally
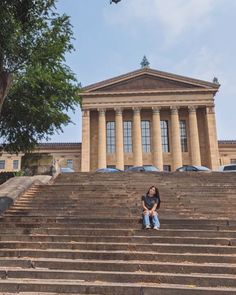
(33, 44)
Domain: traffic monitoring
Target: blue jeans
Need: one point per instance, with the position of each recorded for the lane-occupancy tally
(154, 218)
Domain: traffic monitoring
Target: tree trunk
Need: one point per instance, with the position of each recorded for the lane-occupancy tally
(5, 84)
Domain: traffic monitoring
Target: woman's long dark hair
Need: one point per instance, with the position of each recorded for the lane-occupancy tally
(157, 195)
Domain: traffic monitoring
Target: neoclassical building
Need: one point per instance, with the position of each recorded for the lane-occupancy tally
(149, 117)
(146, 117)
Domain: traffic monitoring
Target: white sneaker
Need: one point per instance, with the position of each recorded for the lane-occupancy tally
(156, 227)
(148, 226)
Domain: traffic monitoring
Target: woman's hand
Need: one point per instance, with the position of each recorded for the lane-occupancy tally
(152, 212)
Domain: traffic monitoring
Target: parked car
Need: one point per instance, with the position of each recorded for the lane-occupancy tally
(145, 168)
(228, 168)
(66, 170)
(193, 168)
(108, 170)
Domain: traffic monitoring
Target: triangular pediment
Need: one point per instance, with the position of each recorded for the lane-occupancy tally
(149, 80)
(145, 82)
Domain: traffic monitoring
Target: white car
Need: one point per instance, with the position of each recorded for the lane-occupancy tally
(66, 170)
(228, 168)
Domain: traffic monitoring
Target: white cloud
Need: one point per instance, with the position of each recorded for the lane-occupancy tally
(174, 17)
(179, 17)
(204, 64)
(201, 63)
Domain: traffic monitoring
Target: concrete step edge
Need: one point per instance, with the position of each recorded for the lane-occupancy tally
(151, 288)
(119, 244)
(170, 274)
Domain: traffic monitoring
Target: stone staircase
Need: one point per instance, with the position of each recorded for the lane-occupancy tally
(83, 235)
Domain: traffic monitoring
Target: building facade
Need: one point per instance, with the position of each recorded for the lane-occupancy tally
(227, 149)
(64, 154)
(145, 117)
(10, 162)
(149, 117)
(45, 159)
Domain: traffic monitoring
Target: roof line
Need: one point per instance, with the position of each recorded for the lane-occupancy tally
(150, 71)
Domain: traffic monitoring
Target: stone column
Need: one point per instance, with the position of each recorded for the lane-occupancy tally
(102, 155)
(213, 149)
(137, 138)
(156, 139)
(194, 137)
(119, 140)
(175, 139)
(85, 153)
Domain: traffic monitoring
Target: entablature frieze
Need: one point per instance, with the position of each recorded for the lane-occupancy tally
(155, 109)
(148, 105)
(164, 100)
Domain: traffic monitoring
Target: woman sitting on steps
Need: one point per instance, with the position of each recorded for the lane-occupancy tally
(150, 203)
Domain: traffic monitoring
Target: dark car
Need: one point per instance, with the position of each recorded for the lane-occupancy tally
(193, 168)
(145, 168)
(108, 170)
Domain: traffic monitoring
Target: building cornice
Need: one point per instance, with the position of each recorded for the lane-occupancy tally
(149, 92)
(58, 146)
(227, 142)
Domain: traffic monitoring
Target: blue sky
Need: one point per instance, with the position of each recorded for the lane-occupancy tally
(194, 38)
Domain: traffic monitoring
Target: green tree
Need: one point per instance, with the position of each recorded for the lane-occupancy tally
(36, 87)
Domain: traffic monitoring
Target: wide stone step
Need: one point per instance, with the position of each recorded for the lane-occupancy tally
(173, 205)
(48, 243)
(54, 211)
(117, 239)
(117, 265)
(111, 220)
(76, 207)
(82, 213)
(117, 232)
(203, 280)
(167, 214)
(171, 213)
(118, 203)
(120, 255)
(133, 226)
(199, 192)
(166, 198)
(94, 246)
(70, 194)
(122, 211)
(108, 288)
(99, 206)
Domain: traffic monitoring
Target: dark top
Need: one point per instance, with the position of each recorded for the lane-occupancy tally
(149, 202)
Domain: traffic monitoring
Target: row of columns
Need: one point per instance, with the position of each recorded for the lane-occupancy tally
(157, 153)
